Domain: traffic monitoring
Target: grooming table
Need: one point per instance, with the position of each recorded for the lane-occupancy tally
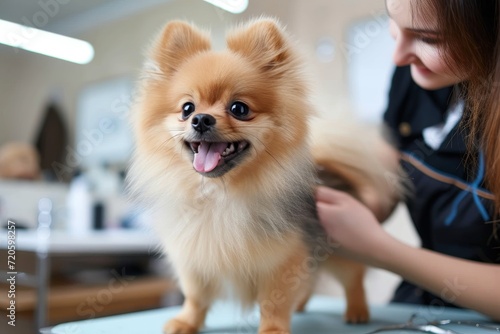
(323, 315)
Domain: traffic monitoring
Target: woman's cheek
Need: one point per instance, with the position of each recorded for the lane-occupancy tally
(432, 58)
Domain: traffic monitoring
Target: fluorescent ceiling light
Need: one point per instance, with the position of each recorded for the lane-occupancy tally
(232, 6)
(45, 43)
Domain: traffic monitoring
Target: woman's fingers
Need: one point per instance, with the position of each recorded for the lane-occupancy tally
(322, 209)
(328, 195)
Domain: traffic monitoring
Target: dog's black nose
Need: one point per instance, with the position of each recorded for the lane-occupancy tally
(203, 122)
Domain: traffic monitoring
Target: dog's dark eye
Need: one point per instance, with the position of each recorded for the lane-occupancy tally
(239, 110)
(187, 109)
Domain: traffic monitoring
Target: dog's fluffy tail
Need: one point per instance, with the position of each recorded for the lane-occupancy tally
(350, 153)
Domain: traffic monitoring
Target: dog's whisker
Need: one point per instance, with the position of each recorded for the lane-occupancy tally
(177, 129)
(256, 127)
(267, 151)
(164, 143)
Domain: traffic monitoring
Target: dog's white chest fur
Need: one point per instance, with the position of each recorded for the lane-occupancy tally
(214, 234)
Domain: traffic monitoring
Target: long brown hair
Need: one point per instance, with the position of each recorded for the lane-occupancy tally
(471, 42)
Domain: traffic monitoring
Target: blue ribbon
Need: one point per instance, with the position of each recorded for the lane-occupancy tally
(473, 188)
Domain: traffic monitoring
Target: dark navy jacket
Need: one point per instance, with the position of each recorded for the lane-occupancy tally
(450, 209)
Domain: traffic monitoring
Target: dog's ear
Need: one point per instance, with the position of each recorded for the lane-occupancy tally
(265, 43)
(178, 41)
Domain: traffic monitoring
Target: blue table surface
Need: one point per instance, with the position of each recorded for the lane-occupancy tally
(322, 315)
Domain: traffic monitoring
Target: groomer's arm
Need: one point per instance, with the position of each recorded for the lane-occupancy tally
(469, 284)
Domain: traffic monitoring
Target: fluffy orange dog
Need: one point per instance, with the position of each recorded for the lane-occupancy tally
(224, 164)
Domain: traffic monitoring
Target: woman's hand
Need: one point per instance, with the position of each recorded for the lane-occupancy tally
(351, 224)
(466, 283)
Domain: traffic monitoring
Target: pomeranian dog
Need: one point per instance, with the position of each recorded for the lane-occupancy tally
(224, 164)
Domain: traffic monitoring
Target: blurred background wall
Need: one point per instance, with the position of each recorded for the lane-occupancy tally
(119, 38)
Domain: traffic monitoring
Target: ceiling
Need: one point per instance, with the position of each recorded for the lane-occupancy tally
(16, 10)
(65, 16)
(70, 17)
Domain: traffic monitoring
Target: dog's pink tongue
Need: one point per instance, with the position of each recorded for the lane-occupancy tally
(208, 156)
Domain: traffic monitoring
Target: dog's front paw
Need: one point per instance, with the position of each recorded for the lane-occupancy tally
(176, 326)
(357, 314)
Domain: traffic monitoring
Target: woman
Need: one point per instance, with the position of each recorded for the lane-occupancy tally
(446, 51)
